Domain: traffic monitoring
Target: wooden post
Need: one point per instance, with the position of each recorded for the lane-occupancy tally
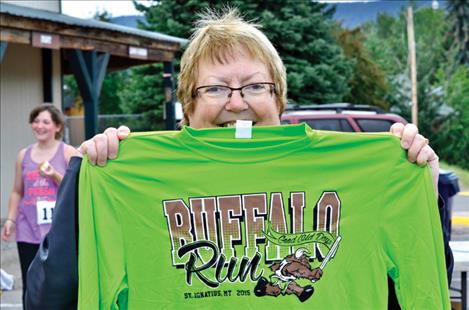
(89, 69)
(413, 63)
(3, 48)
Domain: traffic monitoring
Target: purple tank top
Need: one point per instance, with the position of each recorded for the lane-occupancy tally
(31, 225)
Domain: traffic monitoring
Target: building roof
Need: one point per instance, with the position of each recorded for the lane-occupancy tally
(38, 14)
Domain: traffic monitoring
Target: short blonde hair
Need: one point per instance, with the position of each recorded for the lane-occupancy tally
(217, 36)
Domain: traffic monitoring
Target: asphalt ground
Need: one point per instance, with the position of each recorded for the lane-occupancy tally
(10, 263)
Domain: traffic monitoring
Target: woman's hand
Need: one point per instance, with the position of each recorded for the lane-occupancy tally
(104, 146)
(417, 148)
(8, 229)
(46, 170)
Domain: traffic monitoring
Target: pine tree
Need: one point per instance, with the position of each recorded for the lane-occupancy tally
(368, 84)
(318, 72)
(458, 14)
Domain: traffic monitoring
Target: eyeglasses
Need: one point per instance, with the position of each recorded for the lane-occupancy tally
(222, 92)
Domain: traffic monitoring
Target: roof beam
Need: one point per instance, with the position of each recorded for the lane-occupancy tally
(70, 42)
(23, 23)
(15, 35)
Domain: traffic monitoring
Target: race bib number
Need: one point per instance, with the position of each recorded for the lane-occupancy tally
(45, 211)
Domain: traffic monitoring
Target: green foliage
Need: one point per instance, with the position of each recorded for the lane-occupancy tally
(387, 44)
(442, 84)
(143, 94)
(70, 87)
(109, 100)
(453, 135)
(103, 16)
(318, 71)
(368, 84)
(170, 17)
(300, 30)
(458, 15)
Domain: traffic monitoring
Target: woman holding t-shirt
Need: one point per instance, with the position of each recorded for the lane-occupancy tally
(39, 170)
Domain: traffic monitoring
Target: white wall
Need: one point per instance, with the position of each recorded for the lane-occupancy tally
(20, 91)
(50, 5)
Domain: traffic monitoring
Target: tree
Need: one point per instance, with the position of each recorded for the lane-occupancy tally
(104, 16)
(300, 30)
(458, 14)
(109, 100)
(387, 44)
(442, 93)
(368, 84)
(143, 94)
(318, 71)
(452, 135)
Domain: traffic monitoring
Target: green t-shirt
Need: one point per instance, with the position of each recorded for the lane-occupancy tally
(291, 218)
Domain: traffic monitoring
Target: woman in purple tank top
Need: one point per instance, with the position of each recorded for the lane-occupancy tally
(39, 170)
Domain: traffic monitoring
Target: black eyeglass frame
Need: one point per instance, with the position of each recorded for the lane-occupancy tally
(240, 89)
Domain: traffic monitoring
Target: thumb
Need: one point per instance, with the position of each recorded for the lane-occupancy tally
(82, 149)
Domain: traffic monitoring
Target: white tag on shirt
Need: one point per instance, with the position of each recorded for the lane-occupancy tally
(45, 210)
(243, 129)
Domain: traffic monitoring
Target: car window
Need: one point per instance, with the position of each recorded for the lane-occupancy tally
(329, 124)
(284, 121)
(374, 125)
(346, 126)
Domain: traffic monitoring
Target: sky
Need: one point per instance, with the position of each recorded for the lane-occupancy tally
(87, 8)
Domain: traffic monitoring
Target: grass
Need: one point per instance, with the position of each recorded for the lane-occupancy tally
(462, 174)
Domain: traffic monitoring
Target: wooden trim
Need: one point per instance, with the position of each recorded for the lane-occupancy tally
(86, 44)
(112, 48)
(15, 36)
(117, 63)
(111, 36)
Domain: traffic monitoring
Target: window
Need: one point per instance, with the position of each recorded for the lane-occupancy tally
(334, 124)
(285, 121)
(374, 125)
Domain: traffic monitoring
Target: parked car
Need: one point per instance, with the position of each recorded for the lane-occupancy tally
(341, 117)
